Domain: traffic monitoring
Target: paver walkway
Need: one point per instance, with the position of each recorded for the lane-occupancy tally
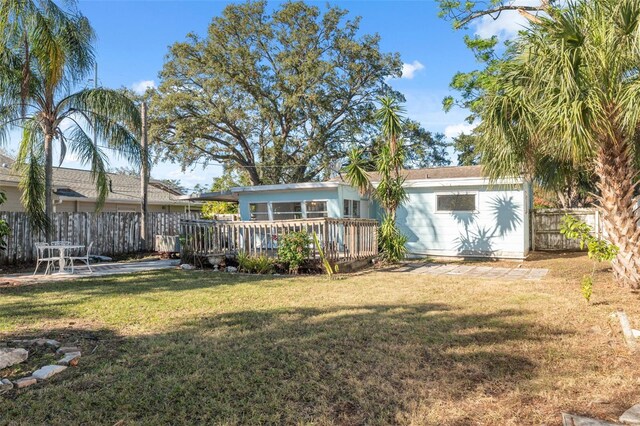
(99, 270)
(491, 272)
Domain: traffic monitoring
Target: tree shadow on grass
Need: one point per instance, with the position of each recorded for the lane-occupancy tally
(139, 283)
(366, 364)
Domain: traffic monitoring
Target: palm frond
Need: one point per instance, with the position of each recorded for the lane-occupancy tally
(114, 117)
(356, 173)
(89, 154)
(389, 115)
(30, 165)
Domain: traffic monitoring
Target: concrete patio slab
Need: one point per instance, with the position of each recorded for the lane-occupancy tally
(99, 270)
(485, 272)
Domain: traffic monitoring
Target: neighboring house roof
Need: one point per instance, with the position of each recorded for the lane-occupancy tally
(78, 184)
(432, 176)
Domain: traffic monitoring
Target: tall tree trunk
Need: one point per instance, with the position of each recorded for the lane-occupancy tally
(144, 177)
(617, 178)
(48, 182)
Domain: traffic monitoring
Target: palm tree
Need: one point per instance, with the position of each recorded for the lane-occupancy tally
(47, 52)
(389, 191)
(570, 91)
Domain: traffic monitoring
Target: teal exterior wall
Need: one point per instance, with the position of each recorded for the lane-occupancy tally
(333, 196)
(498, 228)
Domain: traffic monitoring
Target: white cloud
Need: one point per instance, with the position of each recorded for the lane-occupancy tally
(453, 130)
(507, 25)
(409, 70)
(141, 86)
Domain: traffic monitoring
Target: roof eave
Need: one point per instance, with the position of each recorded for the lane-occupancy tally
(468, 181)
(227, 196)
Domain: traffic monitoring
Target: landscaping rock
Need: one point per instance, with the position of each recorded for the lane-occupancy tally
(53, 343)
(11, 356)
(67, 350)
(5, 386)
(23, 342)
(232, 269)
(69, 359)
(187, 267)
(631, 416)
(39, 342)
(571, 420)
(24, 382)
(47, 371)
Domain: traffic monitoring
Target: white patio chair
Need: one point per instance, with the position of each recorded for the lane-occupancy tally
(84, 258)
(61, 243)
(43, 254)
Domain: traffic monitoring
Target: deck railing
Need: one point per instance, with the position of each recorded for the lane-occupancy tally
(340, 239)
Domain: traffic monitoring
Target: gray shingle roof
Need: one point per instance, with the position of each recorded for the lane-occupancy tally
(449, 172)
(78, 183)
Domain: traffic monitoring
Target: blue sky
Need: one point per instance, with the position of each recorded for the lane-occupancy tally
(133, 37)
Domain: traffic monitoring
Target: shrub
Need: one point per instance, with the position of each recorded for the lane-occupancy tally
(599, 250)
(391, 241)
(587, 287)
(262, 265)
(244, 262)
(254, 264)
(293, 249)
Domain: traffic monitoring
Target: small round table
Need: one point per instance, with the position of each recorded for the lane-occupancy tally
(62, 250)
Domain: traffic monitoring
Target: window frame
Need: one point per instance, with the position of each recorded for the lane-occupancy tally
(476, 200)
(351, 204)
(271, 216)
(267, 213)
(325, 211)
(274, 213)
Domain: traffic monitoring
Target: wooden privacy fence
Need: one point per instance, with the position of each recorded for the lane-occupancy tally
(111, 233)
(546, 224)
(340, 239)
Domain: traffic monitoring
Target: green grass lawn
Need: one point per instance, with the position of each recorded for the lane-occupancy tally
(187, 347)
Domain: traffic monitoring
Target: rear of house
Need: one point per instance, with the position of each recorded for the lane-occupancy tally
(451, 211)
(454, 211)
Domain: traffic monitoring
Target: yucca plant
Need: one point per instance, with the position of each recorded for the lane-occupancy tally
(46, 53)
(569, 90)
(389, 191)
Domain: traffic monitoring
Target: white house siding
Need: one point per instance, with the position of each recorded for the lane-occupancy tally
(498, 228)
(350, 193)
(13, 203)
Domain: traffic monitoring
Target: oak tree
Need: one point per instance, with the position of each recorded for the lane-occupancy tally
(278, 94)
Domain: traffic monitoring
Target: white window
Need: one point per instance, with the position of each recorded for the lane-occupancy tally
(285, 211)
(351, 208)
(259, 211)
(316, 209)
(456, 202)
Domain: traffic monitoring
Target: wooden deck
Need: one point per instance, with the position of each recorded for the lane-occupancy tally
(340, 239)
